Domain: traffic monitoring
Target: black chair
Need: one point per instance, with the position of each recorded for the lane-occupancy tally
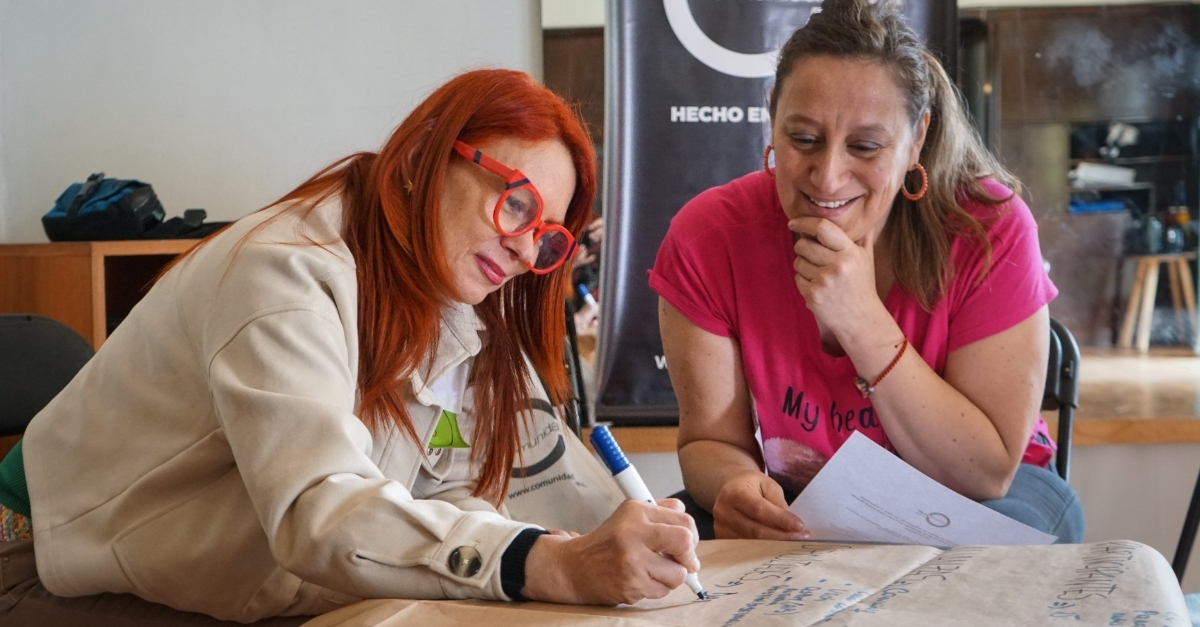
(1062, 390)
(38, 357)
(576, 410)
(1188, 536)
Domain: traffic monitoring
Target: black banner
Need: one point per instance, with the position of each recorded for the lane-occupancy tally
(686, 109)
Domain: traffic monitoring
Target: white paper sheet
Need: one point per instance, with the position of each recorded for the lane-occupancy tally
(867, 494)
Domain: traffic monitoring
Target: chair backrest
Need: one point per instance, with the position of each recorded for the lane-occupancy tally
(1062, 390)
(38, 357)
(1187, 536)
(576, 410)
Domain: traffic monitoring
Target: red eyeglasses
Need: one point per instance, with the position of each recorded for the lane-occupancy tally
(519, 211)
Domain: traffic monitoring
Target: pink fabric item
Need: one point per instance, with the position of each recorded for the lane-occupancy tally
(726, 264)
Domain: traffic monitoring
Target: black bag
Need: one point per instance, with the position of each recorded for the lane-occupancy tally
(190, 226)
(103, 209)
(108, 209)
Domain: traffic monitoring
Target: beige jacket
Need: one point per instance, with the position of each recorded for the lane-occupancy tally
(209, 457)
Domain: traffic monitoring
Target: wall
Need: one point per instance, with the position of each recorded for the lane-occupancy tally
(223, 104)
(572, 13)
(1138, 492)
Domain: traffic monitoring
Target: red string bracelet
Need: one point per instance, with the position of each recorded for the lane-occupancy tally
(866, 389)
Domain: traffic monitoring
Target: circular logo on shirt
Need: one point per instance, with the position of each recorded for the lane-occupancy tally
(537, 462)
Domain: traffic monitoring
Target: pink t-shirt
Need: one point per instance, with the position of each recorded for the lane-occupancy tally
(726, 264)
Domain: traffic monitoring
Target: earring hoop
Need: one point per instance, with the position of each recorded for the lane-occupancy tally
(767, 161)
(924, 185)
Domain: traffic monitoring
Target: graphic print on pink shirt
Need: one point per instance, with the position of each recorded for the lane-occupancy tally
(791, 464)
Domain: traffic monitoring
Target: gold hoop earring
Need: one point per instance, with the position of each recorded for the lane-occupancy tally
(924, 185)
(767, 161)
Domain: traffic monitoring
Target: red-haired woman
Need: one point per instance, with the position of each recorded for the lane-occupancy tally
(322, 403)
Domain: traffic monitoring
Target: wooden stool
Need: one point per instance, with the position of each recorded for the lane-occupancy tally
(1140, 310)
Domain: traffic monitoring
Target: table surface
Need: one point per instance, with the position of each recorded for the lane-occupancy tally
(768, 583)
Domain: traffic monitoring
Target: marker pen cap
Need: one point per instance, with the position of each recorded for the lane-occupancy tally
(606, 446)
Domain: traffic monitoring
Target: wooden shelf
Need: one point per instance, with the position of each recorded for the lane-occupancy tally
(1131, 187)
(641, 439)
(89, 286)
(1087, 432)
(1147, 160)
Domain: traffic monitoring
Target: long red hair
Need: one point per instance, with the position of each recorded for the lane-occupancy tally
(403, 280)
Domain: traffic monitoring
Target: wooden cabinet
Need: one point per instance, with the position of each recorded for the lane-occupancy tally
(573, 67)
(89, 286)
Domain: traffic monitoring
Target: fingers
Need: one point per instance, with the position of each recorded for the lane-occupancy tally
(806, 272)
(677, 544)
(677, 505)
(646, 551)
(669, 530)
(813, 251)
(775, 518)
(773, 493)
(586, 318)
(584, 257)
(672, 503)
(822, 231)
(760, 524)
(652, 576)
(818, 245)
(664, 572)
(835, 276)
(754, 507)
(664, 530)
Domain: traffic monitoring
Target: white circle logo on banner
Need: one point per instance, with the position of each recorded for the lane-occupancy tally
(712, 54)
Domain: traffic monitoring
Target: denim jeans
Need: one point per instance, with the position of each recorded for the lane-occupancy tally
(1041, 499)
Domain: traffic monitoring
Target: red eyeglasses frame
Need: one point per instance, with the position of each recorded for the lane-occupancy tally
(513, 180)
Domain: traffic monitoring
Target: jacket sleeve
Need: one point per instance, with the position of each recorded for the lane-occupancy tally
(284, 391)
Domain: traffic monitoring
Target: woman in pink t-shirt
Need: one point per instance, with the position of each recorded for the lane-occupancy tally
(882, 278)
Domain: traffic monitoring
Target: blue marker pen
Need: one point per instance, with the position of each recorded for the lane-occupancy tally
(630, 481)
(586, 295)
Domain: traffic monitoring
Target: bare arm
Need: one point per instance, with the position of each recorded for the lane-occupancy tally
(967, 430)
(720, 459)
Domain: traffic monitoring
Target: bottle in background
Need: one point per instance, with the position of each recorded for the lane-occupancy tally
(1152, 232)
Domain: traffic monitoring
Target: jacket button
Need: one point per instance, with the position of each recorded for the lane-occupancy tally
(465, 561)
